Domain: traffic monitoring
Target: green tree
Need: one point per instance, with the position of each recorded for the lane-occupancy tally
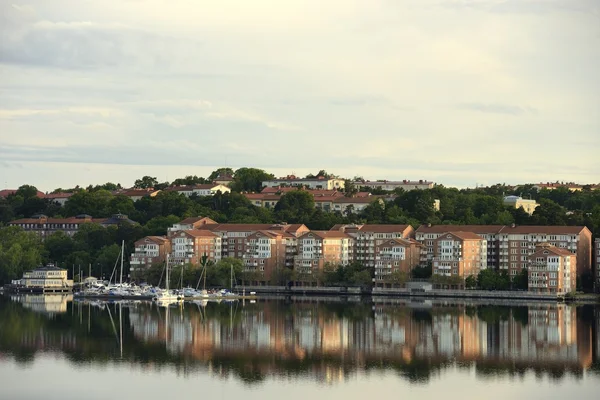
(296, 206)
(19, 251)
(249, 179)
(520, 281)
(220, 172)
(146, 182)
(58, 246)
(224, 269)
(106, 260)
(96, 203)
(159, 225)
(471, 282)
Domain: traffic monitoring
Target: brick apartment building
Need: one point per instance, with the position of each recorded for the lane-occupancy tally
(552, 270)
(509, 247)
(368, 236)
(459, 255)
(147, 252)
(317, 248)
(395, 255)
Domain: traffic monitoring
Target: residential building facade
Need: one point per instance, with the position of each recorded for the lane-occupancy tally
(393, 185)
(368, 236)
(527, 205)
(199, 190)
(394, 256)
(267, 253)
(459, 255)
(46, 226)
(148, 251)
(317, 248)
(552, 270)
(509, 247)
(310, 183)
(195, 247)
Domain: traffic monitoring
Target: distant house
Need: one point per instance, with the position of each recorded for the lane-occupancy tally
(573, 187)
(4, 193)
(224, 180)
(137, 194)
(58, 198)
(208, 189)
(390, 186)
(528, 206)
(311, 183)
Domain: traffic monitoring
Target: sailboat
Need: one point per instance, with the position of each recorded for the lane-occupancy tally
(166, 296)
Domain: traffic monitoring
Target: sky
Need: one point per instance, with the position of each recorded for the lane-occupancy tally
(460, 92)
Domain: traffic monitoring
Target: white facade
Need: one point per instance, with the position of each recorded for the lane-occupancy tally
(528, 206)
(202, 190)
(45, 277)
(393, 185)
(323, 184)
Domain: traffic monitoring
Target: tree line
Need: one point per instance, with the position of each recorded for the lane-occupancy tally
(100, 246)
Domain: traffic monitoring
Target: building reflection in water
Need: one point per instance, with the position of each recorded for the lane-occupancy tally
(327, 341)
(537, 335)
(46, 304)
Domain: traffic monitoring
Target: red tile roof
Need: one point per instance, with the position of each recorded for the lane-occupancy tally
(327, 234)
(482, 229)
(551, 230)
(553, 249)
(52, 196)
(200, 233)
(7, 192)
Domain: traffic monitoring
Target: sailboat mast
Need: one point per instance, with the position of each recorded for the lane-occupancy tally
(122, 256)
(167, 274)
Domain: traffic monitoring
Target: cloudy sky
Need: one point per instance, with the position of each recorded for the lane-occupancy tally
(457, 91)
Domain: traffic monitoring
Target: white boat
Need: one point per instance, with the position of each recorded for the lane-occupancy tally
(166, 297)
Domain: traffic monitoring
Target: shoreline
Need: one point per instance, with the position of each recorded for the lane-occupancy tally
(297, 291)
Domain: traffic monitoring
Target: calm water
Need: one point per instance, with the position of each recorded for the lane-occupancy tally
(53, 348)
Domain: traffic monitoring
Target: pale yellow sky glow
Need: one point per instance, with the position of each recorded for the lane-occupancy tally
(459, 92)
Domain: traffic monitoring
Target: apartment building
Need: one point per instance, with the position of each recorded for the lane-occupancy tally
(427, 234)
(234, 235)
(189, 247)
(527, 205)
(509, 247)
(516, 243)
(368, 236)
(148, 251)
(266, 252)
(459, 254)
(551, 270)
(208, 189)
(393, 185)
(189, 224)
(394, 255)
(310, 183)
(316, 248)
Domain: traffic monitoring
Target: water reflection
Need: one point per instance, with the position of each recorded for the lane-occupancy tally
(322, 340)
